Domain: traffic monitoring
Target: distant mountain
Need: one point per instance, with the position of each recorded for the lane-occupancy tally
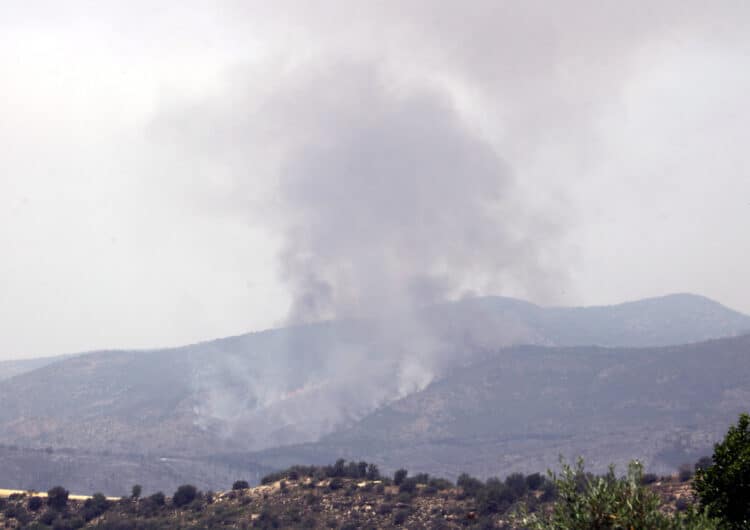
(10, 369)
(661, 321)
(296, 385)
(520, 409)
(114, 474)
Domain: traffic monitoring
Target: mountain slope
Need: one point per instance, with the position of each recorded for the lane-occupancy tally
(520, 409)
(295, 385)
(10, 369)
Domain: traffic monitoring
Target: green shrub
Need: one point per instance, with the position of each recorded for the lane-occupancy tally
(240, 485)
(15, 511)
(549, 491)
(158, 499)
(516, 484)
(471, 486)
(373, 473)
(494, 497)
(184, 495)
(35, 503)
(607, 502)
(440, 483)
(57, 498)
(422, 478)
(724, 487)
(534, 481)
(408, 485)
(95, 506)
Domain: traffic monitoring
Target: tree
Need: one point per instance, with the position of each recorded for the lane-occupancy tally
(184, 495)
(35, 503)
(136, 492)
(399, 476)
(471, 486)
(516, 483)
(158, 498)
(95, 506)
(724, 487)
(240, 485)
(339, 468)
(494, 497)
(57, 497)
(408, 485)
(534, 481)
(373, 473)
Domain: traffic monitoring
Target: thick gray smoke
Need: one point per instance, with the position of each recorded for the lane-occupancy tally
(391, 202)
(398, 181)
(387, 203)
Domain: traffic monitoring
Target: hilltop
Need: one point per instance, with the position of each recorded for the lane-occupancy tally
(344, 496)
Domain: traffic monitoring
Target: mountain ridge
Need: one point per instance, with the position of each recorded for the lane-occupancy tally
(251, 394)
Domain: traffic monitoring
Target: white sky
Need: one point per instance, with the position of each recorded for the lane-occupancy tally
(122, 223)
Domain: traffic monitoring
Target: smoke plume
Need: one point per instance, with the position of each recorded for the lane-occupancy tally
(391, 202)
(387, 203)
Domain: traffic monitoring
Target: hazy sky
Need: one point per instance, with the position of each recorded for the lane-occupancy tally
(175, 171)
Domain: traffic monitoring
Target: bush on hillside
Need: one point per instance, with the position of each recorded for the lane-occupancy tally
(341, 469)
(95, 506)
(408, 485)
(35, 503)
(373, 473)
(516, 484)
(240, 485)
(57, 498)
(469, 485)
(184, 495)
(495, 497)
(158, 499)
(607, 502)
(534, 481)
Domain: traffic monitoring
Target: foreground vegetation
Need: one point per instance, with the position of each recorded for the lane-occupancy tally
(350, 495)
